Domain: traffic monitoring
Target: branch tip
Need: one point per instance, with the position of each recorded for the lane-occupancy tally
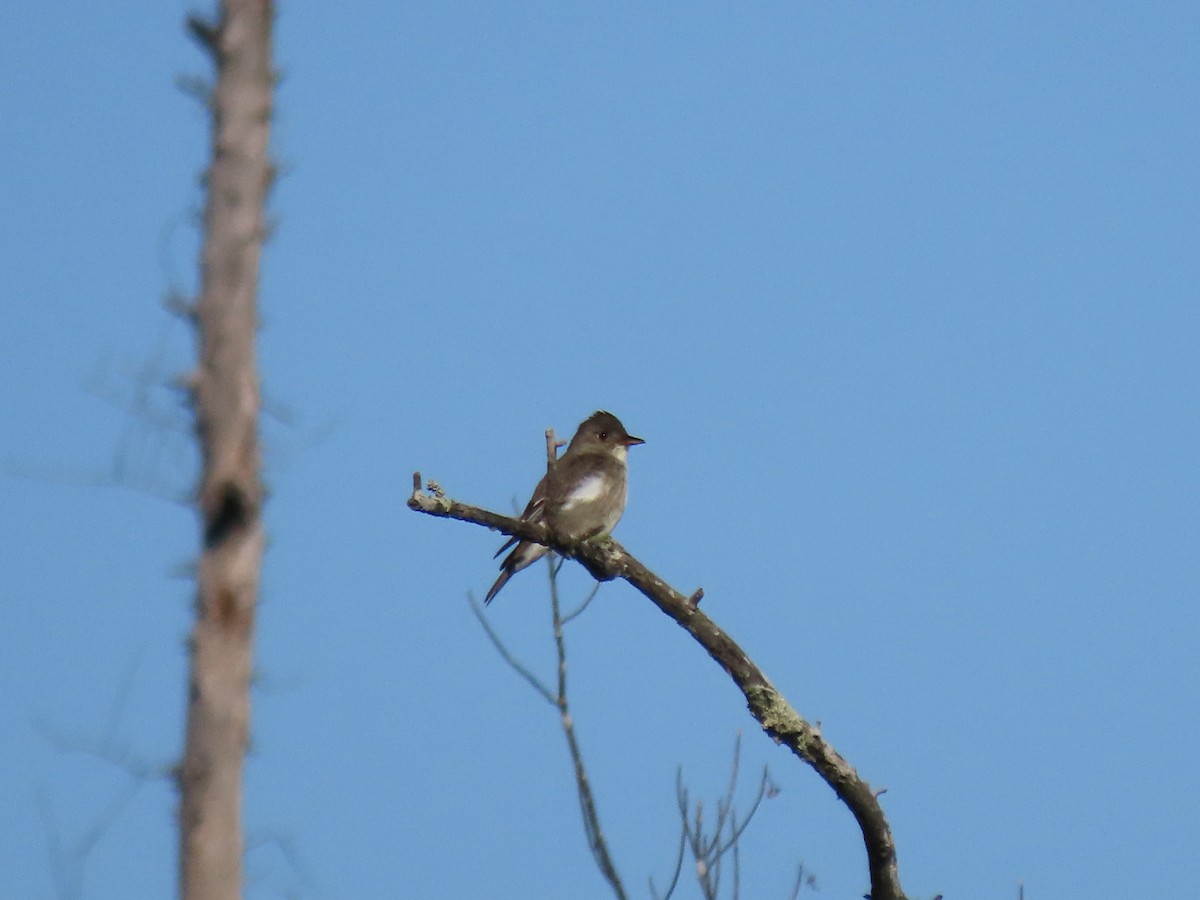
(204, 32)
(552, 445)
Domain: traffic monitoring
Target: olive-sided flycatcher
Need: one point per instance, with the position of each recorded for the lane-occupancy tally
(584, 499)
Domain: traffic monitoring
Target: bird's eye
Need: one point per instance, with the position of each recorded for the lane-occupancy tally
(604, 435)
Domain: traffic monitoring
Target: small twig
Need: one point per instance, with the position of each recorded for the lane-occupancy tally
(204, 32)
(735, 831)
(514, 663)
(69, 861)
(681, 798)
(587, 801)
(737, 861)
(578, 611)
(558, 699)
(801, 880)
(725, 805)
(695, 835)
(709, 844)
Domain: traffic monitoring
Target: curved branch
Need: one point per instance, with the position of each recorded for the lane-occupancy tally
(605, 559)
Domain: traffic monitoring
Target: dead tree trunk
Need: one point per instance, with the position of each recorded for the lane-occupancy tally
(225, 396)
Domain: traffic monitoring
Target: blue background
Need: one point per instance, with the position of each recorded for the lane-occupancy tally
(902, 297)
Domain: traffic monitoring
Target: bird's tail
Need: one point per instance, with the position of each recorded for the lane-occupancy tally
(525, 554)
(495, 589)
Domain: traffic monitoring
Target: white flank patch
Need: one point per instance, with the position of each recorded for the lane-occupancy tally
(586, 491)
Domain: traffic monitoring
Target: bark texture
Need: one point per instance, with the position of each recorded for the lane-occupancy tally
(225, 395)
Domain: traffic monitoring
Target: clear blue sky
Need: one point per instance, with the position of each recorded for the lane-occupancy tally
(903, 298)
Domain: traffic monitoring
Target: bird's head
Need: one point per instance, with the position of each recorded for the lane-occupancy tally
(603, 430)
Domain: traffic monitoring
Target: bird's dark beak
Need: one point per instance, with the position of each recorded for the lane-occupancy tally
(631, 441)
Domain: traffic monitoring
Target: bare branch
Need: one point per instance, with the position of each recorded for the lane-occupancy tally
(737, 861)
(735, 830)
(552, 446)
(69, 861)
(578, 611)
(725, 804)
(108, 747)
(606, 559)
(515, 664)
(558, 699)
(802, 879)
(587, 802)
(709, 843)
(69, 858)
(682, 800)
(204, 32)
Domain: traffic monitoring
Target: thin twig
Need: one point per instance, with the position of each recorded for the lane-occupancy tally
(515, 664)
(801, 880)
(737, 861)
(710, 844)
(725, 804)
(736, 830)
(578, 611)
(681, 797)
(587, 802)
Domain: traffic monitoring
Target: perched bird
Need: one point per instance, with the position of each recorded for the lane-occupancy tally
(585, 497)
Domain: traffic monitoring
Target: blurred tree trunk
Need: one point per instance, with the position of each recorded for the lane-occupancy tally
(225, 396)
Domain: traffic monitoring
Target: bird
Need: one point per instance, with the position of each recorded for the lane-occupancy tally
(584, 497)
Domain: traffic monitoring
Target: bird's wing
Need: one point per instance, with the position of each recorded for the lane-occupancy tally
(534, 511)
(586, 490)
